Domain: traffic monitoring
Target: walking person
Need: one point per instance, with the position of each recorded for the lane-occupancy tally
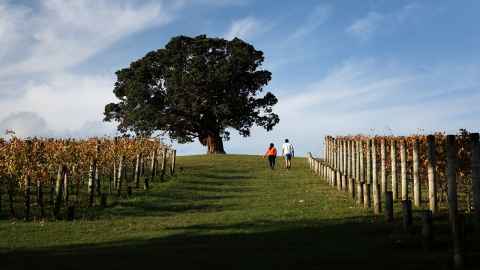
(272, 155)
(288, 152)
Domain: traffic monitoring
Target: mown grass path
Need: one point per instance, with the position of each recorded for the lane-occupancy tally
(227, 212)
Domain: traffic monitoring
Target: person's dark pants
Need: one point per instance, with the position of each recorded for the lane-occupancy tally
(271, 161)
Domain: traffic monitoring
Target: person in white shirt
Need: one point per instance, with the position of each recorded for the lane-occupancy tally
(288, 152)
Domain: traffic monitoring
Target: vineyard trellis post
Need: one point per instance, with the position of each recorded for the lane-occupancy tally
(98, 184)
(39, 198)
(58, 191)
(27, 195)
(407, 214)
(367, 186)
(174, 158)
(351, 178)
(120, 175)
(91, 183)
(339, 164)
(345, 164)
(393, 169)
(431, 168)
(452, 177)
(403, 169)
(362, 173)
(427, 229)
(375, 191)
(416, 176)
(164, 164)
(136, 176)
(383, 175)
(359, 193)
(389, 206)
(475, 160)
(153, 164)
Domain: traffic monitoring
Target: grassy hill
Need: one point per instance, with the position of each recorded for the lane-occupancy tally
(227, 212)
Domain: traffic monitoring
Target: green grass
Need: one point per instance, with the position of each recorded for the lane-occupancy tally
(227, 212)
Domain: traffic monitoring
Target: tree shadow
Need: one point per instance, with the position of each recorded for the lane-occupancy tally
(260, 244)
(224, 177)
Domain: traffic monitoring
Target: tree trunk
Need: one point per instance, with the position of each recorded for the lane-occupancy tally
(215, 144)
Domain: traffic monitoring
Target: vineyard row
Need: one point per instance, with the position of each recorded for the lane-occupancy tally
(76, 174)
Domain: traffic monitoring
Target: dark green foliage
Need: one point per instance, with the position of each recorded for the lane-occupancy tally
(195, 88)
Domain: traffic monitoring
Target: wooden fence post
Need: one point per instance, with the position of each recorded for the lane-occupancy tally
(475, 159)
(393, 175)
(345, 165)
(58, 191)
(27, 182)
(91, 183)
(367, 187)
(97, 178)
(120, 175)
(458, 233)
(403, 172)
(427, 230)
(359, 193)
(339, 163)
(136, 177)
(432, 161)
(407, 214)
(327, 150)
(377, 208)
(361, 162)
(325, 157)
(338, 176)
(367, 202)
(164, 164)
(351, 175)
(383, 176)
(452, 177)
(153, 164)
(389, 206)
(174, 158)
(416, 176)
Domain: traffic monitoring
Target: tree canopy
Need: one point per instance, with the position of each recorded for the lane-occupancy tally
(195, 88)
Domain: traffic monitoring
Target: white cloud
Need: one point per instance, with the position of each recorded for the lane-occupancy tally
(244, 28)
(370, 97)
(38, 46)
(60, 34)
(358, 97)
(66, 101)
(317, 17)
(365, 27)
(24, 124)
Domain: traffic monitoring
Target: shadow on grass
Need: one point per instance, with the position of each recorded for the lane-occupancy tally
(223, 176)
(307, 244)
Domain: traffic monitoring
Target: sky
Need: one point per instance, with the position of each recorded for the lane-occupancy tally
(339, 67)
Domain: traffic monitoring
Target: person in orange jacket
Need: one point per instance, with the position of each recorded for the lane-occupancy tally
(272, 155)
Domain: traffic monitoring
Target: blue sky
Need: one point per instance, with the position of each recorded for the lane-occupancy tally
(339, 67)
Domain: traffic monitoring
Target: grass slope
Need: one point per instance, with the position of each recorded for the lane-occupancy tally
(220, 212)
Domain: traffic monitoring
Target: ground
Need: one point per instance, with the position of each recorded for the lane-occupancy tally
(222, 212)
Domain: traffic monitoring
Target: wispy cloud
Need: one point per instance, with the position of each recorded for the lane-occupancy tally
(38, 46)
(318, 16)
(244, 28)
(366, 27)
(60, 34)
(359, 97)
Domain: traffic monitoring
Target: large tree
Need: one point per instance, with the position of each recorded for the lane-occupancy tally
(195, 88)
